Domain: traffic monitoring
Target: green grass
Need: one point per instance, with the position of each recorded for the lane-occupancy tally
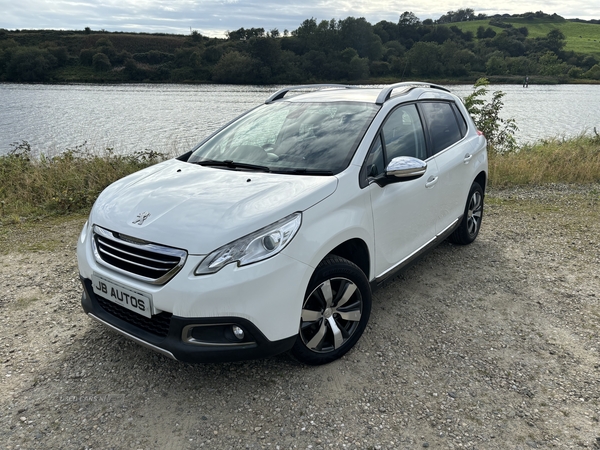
(64, 184)
(575, 160)
(580, 37)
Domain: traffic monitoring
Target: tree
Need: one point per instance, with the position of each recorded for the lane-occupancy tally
(496, 65)
(358, 68)
(237, 68)
(408, 19)
(358, 34)
(424, 59)
(593, 73)
(30, 64)
(101, 63)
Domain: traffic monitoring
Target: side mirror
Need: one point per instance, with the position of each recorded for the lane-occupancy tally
(406, 167)
(402, 168)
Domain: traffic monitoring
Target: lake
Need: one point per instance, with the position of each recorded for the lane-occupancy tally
(172, 118)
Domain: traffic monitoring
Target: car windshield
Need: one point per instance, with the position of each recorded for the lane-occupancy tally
(290, 137)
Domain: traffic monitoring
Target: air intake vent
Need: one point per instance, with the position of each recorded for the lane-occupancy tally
(153, 263)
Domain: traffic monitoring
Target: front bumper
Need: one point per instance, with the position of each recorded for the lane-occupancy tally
(173, 336)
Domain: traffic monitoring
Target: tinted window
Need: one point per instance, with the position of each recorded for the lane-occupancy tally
(462, 124)
(403, 134)
(287, 136)
(442, 125)
(375, 162)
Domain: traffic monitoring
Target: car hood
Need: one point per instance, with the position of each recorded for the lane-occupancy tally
(201, 208)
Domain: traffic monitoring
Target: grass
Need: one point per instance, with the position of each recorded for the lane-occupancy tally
(575, 160)
(67, 185)
(580, 37)
(64, 184)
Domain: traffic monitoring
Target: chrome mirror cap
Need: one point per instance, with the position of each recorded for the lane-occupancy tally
(406, 167)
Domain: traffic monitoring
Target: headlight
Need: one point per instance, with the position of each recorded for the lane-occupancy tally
(254, 247)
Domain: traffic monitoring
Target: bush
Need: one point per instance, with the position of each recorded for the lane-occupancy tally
(499, 132)
(101, 63)
(30, 64)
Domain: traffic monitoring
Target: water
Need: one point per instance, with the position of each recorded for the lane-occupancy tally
(172, 118)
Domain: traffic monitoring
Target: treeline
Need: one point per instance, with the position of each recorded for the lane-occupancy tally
(348, 50)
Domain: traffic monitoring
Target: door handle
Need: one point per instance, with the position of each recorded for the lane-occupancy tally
(431, 181)
(467, 158)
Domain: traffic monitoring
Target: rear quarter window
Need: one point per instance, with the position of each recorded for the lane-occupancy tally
(442, 124)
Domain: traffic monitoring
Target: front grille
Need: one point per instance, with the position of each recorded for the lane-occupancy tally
(157, 325)
(153, 263)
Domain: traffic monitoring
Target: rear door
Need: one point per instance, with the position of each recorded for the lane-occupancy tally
(446, 131)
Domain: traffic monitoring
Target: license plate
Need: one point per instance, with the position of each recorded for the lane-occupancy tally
(135, 301)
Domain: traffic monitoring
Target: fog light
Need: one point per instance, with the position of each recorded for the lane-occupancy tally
(237, 332)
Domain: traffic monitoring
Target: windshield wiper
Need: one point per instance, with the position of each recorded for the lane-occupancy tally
(304, 171)
(231, 165)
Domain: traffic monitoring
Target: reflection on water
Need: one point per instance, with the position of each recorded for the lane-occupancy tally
(172, 118)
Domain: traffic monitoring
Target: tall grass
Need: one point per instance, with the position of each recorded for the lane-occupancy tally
(33, 187)
(67, 183)
(575, 160)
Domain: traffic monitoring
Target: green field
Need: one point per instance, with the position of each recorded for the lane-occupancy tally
(581, 37)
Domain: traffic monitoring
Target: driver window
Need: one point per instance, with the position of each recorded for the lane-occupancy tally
(403, 134)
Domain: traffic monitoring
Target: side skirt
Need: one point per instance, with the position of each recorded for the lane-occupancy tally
(381, 279)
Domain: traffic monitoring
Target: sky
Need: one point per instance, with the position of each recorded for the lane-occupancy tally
(214, 17)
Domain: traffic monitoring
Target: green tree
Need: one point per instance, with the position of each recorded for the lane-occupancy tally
(358, 68)
(30, 64)
(550, 64)
(593, 73)
(101, 63)
(358, 34)
(424, 59)
(237, 68)
(496, 64)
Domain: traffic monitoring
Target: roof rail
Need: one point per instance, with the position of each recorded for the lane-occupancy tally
(281, 93)
(386, 92)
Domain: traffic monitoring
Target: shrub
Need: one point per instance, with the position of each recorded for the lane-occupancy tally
(101, 63)
(498, 131)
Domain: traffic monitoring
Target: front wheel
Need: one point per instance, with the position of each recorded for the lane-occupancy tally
(335, 312)
(469, 227)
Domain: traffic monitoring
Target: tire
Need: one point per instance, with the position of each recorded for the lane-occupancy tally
(469, 227)
(335, 312)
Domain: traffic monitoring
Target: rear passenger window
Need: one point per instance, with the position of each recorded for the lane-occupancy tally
(442, 124)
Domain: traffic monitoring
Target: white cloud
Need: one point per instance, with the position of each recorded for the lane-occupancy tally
(214, 17)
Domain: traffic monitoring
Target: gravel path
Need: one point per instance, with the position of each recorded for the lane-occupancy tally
(491, 346)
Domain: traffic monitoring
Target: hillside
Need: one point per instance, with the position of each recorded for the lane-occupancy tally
(350, 50)
(580, 37)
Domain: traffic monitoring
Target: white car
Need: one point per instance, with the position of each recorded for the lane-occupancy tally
(270, 235)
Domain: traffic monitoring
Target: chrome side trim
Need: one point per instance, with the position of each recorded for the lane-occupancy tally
(134, 338)
(409, 257)
(445, 230)
(438, 238)
(186, 336)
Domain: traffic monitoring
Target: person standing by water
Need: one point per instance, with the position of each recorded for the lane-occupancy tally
(526, 81)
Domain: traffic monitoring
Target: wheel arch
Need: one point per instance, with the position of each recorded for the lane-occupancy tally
(481, 178)
(356, 251)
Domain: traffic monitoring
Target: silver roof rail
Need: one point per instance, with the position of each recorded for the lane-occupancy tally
(281, 93)
(386, 92)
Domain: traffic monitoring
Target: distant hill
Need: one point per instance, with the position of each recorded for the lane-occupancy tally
(505, 49)
(580, 37)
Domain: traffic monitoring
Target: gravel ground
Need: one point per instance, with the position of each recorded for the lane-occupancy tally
(491, 346)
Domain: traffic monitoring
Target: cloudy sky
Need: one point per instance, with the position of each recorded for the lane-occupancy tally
(214, 17)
